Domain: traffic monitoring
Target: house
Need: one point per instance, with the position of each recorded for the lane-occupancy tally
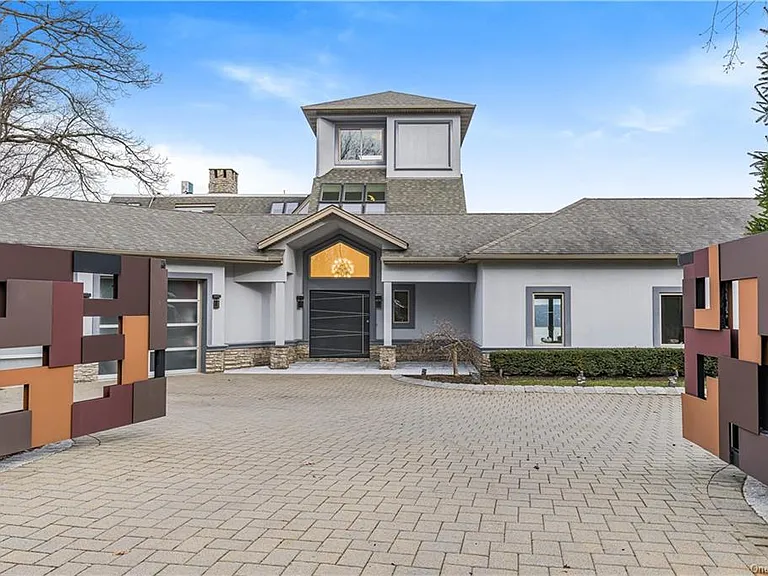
(383, 248)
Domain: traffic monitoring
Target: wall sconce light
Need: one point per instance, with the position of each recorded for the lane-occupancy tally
(299, 301)
(377, 300)
(216, 301)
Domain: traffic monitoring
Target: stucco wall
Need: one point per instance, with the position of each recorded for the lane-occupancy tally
(407, 149)
(611, 305)
(248, 312)
(435, 302)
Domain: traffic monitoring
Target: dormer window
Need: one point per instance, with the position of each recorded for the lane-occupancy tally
(361, 145)
(355, 198)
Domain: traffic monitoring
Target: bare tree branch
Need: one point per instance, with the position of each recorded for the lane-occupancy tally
(61, 66)
(727, 17)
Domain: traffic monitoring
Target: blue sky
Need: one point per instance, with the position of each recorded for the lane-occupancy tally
(606, 99)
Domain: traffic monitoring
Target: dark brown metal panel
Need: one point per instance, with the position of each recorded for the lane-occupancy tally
(96, 263)
(149, 398)
(738, 393)
(67, 325)
(706, 343)
(103, 347)
(701, 263)
(33, 263)
(689, 300)
(753, 455)
(744, 258)
(685, 259)
(28, 314)
(133, 286)
(158, 306)
(3, 296)
(102, 307)
(15, 432)
(115, 409)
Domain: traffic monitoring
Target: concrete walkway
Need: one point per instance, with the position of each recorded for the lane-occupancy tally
(355, 367)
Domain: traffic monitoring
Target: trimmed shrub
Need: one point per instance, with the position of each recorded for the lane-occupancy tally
(594, 362)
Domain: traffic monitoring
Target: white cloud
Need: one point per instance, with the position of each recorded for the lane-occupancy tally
(256, 175)
(292, 84)
(699, 67)
(638, 120)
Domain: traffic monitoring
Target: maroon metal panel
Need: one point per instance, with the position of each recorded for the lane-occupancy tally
(102, 307)
(744, 258)
(149, 399)
(33, 263)
(706, 343)
(689, 300)
(133, 286)
(115, 409)
(689, 271)
(67, 325)
(28, 314)
(738, 394)
(701, 263)
(103, 347)
(158, 306)
(753, 455)
(15, 432)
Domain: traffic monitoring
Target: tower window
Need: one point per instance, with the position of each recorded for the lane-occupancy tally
(355, 198)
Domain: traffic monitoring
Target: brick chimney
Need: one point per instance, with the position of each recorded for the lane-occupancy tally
(222, 181)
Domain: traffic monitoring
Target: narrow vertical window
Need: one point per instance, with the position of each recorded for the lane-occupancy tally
(671, 318)
(547, 319)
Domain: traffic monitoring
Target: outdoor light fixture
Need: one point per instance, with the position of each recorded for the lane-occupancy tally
(377, 300)
(216, 301)
(299, 301)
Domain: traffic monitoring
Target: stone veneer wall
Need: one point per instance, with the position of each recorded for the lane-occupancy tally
(86, 372)
(245, 357)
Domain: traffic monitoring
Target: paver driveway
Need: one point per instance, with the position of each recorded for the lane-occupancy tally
(349, 474)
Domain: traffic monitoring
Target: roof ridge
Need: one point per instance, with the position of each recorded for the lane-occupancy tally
(526, 228)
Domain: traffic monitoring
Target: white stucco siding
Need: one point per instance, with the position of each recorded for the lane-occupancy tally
(326, 146)
(423, 146)
(434, 303)
(611, 306)
(248, 311)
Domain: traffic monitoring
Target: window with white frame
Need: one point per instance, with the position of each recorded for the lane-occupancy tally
(361, 145)
(547, 319)
(671, 319)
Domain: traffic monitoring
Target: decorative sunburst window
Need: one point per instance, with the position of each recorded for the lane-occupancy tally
(339, 261)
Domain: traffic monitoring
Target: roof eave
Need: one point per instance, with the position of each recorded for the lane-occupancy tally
(422, 260)
(540, 256)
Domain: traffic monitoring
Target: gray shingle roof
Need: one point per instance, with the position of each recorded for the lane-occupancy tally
(223, 203)
(65, 223)
(654, 226)
(382, 102)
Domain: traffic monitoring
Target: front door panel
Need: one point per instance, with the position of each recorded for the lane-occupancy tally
(339, 323)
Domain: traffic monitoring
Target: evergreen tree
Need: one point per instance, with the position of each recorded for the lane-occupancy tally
(759, 222)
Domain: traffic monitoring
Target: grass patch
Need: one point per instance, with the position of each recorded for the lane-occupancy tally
(550, 381)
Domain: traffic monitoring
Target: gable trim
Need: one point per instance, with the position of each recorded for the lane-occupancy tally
(322, 215)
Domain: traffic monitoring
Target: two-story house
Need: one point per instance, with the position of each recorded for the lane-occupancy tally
(382, 250)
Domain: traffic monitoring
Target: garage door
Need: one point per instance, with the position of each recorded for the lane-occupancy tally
(184, 325)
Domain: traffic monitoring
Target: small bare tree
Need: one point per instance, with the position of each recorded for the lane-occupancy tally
(61, 66)
(447, 338)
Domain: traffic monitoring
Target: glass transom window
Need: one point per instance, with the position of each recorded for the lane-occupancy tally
(339, 261)
(547, 319)
(361, 144)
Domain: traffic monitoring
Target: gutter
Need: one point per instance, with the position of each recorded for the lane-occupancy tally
(527, 257)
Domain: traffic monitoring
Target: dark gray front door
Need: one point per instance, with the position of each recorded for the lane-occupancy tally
(339, 323)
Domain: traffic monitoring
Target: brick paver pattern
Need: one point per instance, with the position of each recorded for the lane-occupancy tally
(279, 474)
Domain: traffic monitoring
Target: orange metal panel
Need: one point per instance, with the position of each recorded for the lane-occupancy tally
(709, 318)
(50, 396)
(135, 364)
(701, 418)
(749, 339)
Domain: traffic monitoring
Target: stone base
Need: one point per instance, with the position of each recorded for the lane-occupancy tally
(86, 372)
(279, 357)
(387, 357)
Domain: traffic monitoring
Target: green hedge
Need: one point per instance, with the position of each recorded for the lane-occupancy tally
(594, 362)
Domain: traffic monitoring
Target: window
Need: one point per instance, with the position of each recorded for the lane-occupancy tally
(339, 261)
(402, 306)
(355, 198)
(283, 207)
(671, 318)
(194, 207)
(547, 319)
(361, 145)
(107, 324)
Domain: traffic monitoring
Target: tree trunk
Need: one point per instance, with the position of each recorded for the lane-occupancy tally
(455, 360)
